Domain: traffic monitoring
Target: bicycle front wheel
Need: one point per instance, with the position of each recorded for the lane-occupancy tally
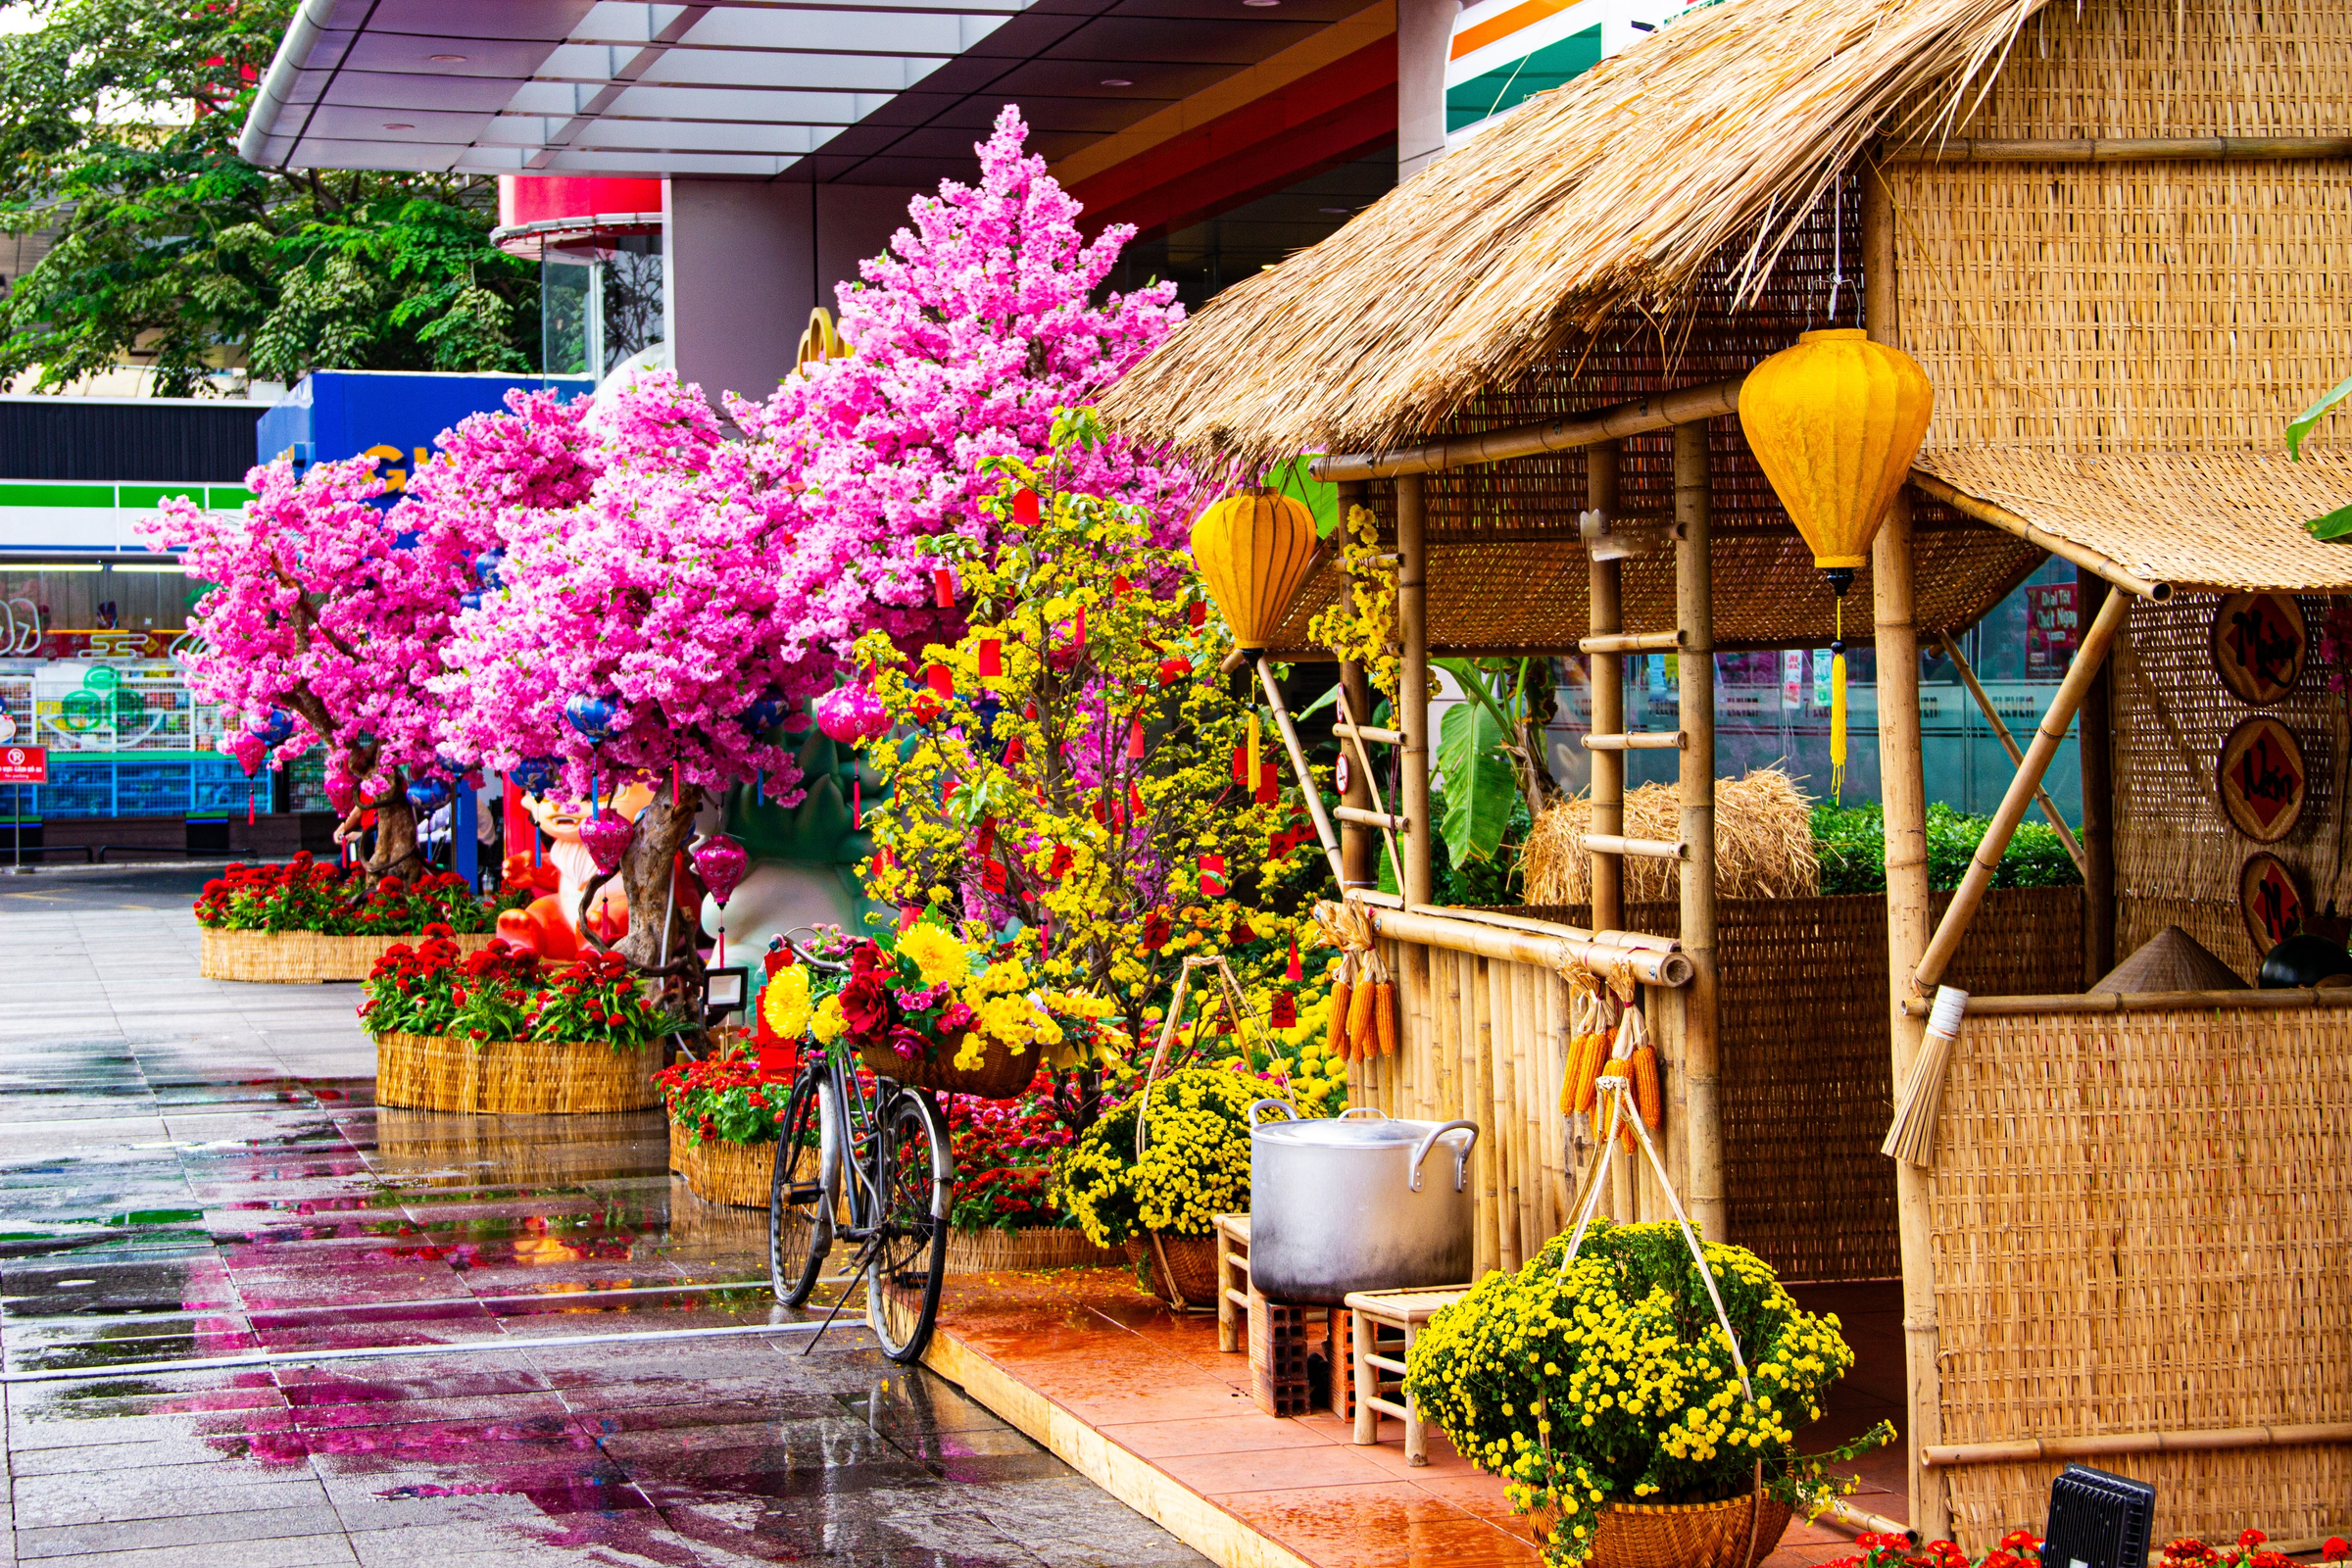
(915, 1180)
(800, 1198)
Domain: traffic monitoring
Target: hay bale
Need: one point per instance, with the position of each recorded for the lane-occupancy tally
(1763, 843)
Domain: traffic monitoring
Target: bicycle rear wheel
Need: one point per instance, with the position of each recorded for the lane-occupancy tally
(800, 1198)
(916, 1179)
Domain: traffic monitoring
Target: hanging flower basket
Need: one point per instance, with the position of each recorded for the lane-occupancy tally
(1181, 1270)
(1684, 1535)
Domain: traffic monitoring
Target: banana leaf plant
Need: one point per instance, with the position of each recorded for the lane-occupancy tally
(1492, 752)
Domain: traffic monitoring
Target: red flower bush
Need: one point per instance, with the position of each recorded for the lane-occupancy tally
(312, 894)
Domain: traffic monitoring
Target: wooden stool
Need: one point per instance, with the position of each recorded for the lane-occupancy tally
(1389, 1321)
(1233, 1279)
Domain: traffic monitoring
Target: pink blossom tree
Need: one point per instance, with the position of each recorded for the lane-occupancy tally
(650, 593)
(335, 610)
(966, 337)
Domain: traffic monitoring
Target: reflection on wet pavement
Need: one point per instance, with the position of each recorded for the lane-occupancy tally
(191, 1169)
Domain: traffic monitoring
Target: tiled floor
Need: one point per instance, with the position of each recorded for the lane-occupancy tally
(1156, 1387)
(191, 1169)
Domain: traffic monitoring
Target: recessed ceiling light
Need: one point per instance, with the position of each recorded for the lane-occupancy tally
(459, 60)
(1261, 2)
(1116, 81)
(397, 124)
(1340, 211)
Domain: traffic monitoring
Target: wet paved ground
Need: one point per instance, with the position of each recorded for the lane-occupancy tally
(194, 1169)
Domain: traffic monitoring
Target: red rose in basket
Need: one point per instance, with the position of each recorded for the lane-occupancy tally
(866, 1007)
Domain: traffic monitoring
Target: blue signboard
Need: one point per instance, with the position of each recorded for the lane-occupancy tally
(393, 415)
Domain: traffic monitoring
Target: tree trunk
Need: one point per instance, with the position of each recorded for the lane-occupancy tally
(397, 852)
(662, 830)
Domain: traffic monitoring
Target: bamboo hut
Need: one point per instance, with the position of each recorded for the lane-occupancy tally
(2109, 233)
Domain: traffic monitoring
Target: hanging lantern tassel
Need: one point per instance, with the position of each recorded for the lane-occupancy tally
(595, 806)
(759, 787)
(248, 805)
(1838, 708)
(856, 802)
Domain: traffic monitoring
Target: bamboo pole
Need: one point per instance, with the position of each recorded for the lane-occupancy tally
(1478, 1082)
(1644, 415)
(1910, 911)
(1510, 1149)
(2095, 746)
(1700, 1064)
(1649, 966)
(2012, 810)
(2120, 149)
(2209, 1439)
(1606, 617)
(2016, 758)
(1357, 852)
(1298, 756)
(2148, 1001)
(1412, 686)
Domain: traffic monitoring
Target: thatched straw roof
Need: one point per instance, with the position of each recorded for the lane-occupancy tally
(1606, 195)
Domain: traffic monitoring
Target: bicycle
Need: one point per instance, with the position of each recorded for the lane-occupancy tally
(869, 1167)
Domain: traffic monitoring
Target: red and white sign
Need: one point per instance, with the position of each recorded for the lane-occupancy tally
(23, 765)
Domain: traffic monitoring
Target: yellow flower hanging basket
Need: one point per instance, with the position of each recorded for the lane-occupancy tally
(1252, 551)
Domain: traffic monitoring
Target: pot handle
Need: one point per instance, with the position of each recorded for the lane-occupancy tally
(1363, 1111)
(1287, 1115)
(1461, 1156)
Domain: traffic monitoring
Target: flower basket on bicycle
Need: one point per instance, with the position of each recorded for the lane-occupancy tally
(1003, 1070)
(923, 1015)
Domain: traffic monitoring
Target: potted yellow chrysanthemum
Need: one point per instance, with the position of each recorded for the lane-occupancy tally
(1158, 1195)
(1606, 1393)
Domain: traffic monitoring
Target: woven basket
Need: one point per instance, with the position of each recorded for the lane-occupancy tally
(1189, 1281)
(513, 1077)
(720, 1172)
(1013, 1251)
(1683, 1535)
(301, 957)
(1001, 1074)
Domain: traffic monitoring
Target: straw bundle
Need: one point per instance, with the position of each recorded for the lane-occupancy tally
(1763, 843)
(1609, 193)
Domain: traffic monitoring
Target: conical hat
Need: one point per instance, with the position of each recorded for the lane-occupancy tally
(2170, 960)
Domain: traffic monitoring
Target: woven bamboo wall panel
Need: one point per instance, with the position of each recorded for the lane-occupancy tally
(2143, 1222)
(1807, 1082)
(2176, 857)
(2123, 307)
(2202, 69)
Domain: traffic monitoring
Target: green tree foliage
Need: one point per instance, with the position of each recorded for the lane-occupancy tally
(172, 251)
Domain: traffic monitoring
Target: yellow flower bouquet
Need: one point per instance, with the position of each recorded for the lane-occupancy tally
(1194, 1164)
(1610, 1383)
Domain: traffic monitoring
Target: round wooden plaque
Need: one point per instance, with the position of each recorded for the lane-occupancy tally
(2259, 643)
(2261, 779)
(2270, 898)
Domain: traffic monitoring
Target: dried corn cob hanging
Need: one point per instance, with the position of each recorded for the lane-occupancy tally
(1632, 1036)
(1341, 1000)
(1384, 1004)
(1361, 1040)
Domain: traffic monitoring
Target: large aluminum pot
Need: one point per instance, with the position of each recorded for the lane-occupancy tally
(1339, 1204)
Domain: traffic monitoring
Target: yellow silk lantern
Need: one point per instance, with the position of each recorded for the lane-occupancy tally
(1253, 551)
(1834, 422)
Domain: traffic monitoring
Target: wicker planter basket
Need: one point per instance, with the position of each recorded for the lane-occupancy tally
(1013, 1251)
(301, 957)
(513, 1077)
(1182, 1269)
(1683, 1535)
(1001, 1075)
(720, 1172)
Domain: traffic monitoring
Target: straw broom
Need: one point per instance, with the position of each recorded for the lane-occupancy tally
(1912, 1136)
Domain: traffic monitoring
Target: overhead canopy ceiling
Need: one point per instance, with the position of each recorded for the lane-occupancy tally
(893, 92)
